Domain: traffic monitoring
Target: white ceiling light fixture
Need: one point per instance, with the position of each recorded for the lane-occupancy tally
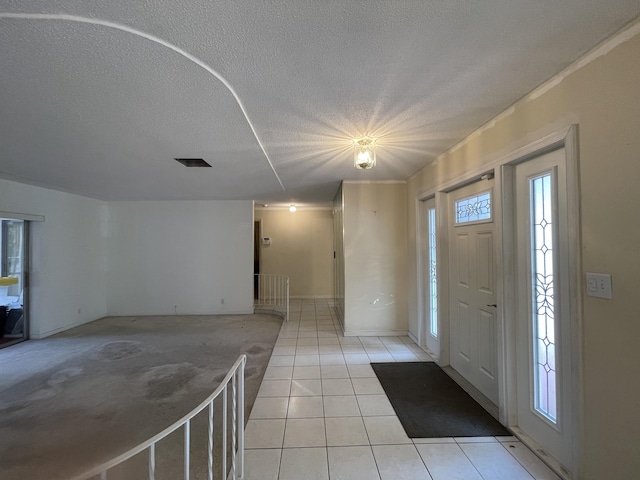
(365, 153)
(292, 208)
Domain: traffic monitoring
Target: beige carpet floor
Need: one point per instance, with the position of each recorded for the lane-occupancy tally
(76, 399)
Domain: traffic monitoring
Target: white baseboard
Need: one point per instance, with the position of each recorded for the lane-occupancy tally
(424, 347)
(541, 453)
(48, 333)
(433, 355)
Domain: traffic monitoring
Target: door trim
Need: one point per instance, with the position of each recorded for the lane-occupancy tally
(502, 167)
(441, 356)
(423, 285)
(570, 144)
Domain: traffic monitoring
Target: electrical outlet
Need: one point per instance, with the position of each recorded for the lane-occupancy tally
(222, 301)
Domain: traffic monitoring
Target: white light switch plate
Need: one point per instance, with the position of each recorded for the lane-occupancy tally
(599, 285)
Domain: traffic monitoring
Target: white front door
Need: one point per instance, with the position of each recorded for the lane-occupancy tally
(543, 327)
(472, 287)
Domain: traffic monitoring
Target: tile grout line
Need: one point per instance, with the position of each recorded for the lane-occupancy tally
(334, 333)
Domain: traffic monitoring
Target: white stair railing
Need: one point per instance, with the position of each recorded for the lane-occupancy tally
(272, 294)
(236, 377)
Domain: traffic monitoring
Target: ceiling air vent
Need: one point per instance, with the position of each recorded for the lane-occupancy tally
(192, 162)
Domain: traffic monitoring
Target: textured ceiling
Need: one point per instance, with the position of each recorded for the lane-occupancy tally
(97, 98)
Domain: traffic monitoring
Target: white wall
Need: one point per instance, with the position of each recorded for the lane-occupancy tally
(68, 256)
(91, 258)
(191, 254)
(375, 258)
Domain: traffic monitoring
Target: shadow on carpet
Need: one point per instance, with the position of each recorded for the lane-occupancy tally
(77, 399)
(430, 404)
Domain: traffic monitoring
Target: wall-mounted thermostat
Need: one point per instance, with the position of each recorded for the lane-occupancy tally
(266, 241)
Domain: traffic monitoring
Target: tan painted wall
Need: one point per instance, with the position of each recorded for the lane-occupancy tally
(375, 258)
(301, 248)
(603, 97)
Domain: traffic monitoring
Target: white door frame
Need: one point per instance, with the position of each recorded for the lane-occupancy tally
(441, 194)
(503, 170)
(441, 356)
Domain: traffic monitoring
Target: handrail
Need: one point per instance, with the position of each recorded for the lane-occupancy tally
(237, 374)
(272, 293)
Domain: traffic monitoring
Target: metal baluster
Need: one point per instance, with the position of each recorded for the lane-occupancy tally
(187, 439)
(241, 417)
(211, 440)
(287, 317)
(224, 431)
(234, 427)
(152, 461)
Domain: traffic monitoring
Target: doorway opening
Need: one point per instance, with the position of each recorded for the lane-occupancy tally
(257, 236)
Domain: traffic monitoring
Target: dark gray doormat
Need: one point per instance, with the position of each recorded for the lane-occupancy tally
(430, 404)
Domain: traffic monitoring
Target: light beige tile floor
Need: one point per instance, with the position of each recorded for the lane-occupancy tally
(321, 413)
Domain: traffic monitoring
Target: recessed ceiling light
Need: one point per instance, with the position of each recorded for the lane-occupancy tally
(192, 162)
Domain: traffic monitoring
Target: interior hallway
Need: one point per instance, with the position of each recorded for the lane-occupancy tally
(321, 414)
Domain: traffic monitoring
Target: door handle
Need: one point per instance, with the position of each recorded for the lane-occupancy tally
(493, 305)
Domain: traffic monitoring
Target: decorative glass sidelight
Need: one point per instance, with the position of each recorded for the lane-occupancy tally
(476, 208)
(433, 284)
(543, 305)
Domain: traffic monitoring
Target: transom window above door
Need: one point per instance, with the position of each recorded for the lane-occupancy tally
(473, 209)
